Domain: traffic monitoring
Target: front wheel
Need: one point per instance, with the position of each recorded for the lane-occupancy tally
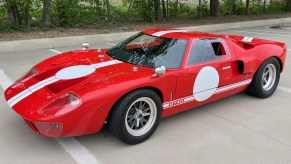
(136, 116)
(266, 79)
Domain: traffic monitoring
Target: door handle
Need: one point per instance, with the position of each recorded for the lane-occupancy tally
(226, 67)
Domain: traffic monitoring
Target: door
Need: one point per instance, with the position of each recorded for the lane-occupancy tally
(208, 68)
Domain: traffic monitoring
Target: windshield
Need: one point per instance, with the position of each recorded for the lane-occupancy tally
(150, 51)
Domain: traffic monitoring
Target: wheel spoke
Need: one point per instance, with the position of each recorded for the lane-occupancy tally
(141, 105)
(141, 116)
(133, 124)
(266, 73)
(146, 114)
(137, 123)
(265, 80)
(146, 109)
(130, 118)
(142, 120)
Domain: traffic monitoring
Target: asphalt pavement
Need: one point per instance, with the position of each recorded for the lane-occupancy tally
(237, 129)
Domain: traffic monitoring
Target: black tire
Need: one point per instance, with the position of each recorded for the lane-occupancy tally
(256, 88)
(126, 109)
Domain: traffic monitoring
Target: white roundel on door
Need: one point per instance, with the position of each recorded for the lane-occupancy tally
(205, 83)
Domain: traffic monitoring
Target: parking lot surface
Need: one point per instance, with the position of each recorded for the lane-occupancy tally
(237, 129)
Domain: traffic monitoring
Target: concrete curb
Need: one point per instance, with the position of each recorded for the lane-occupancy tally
(46, 43)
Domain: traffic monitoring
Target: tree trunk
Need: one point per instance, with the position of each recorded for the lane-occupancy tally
(108, 10)
(234, 8)
(264, 6)
(157, 10)
(214, 8)
(167, 8)
(164, 10)
(13, 12)
(47, 5)
(200, 9)
(289, 5)
(27, 13)
(247, 7)
(176, 8)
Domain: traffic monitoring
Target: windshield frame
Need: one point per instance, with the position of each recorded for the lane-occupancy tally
(126, 41)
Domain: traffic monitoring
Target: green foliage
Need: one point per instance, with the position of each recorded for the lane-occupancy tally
(120, 14)
(204, 9)
(277, 6)
(228, 7)
(142, 9)
(256, 7)
(241, 8)
(93, 13)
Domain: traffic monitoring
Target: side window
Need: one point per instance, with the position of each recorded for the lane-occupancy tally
(203, 50)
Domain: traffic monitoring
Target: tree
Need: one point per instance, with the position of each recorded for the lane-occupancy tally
(247, 7)
(108, 10)
(157, 10)
(289, 5)
(47, 5)
(13, 11)
(164, 10)
(26, 8)
(200, 9)
(214, 8)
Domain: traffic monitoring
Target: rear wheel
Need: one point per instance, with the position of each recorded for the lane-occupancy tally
(136, 116)
(266, 79)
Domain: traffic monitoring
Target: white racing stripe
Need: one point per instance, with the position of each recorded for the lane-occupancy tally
(107, 63)
(73, 147)
(233, 86)
(160, 33)
(20, 96)
(218, 90)
(27, 92)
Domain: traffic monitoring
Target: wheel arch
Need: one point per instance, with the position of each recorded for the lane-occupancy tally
(155, 89)
(251, 66)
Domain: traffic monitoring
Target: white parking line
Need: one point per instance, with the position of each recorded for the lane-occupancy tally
(281, 32)
(261, 33)
(72, 146)
(5, 82)
(78, 152)
(111, 44)
(56, 51)
(284, 89)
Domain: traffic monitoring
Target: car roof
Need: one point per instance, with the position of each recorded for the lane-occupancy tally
(179, 33)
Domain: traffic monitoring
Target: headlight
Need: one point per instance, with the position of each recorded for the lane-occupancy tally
(30, 73)
(62, 105)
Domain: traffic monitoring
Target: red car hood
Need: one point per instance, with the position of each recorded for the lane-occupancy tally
(67, 72)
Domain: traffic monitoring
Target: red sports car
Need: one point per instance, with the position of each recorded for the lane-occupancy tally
(131, 86)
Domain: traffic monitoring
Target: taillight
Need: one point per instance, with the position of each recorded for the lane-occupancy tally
(50, 129)
(30, 73)
(62, 105)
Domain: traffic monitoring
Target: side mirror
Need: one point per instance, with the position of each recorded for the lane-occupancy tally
(160, 71)
(85, 46)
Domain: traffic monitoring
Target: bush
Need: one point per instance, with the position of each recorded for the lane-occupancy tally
(241, 8)
(228, 7)
(277, 6)
(256, 7)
